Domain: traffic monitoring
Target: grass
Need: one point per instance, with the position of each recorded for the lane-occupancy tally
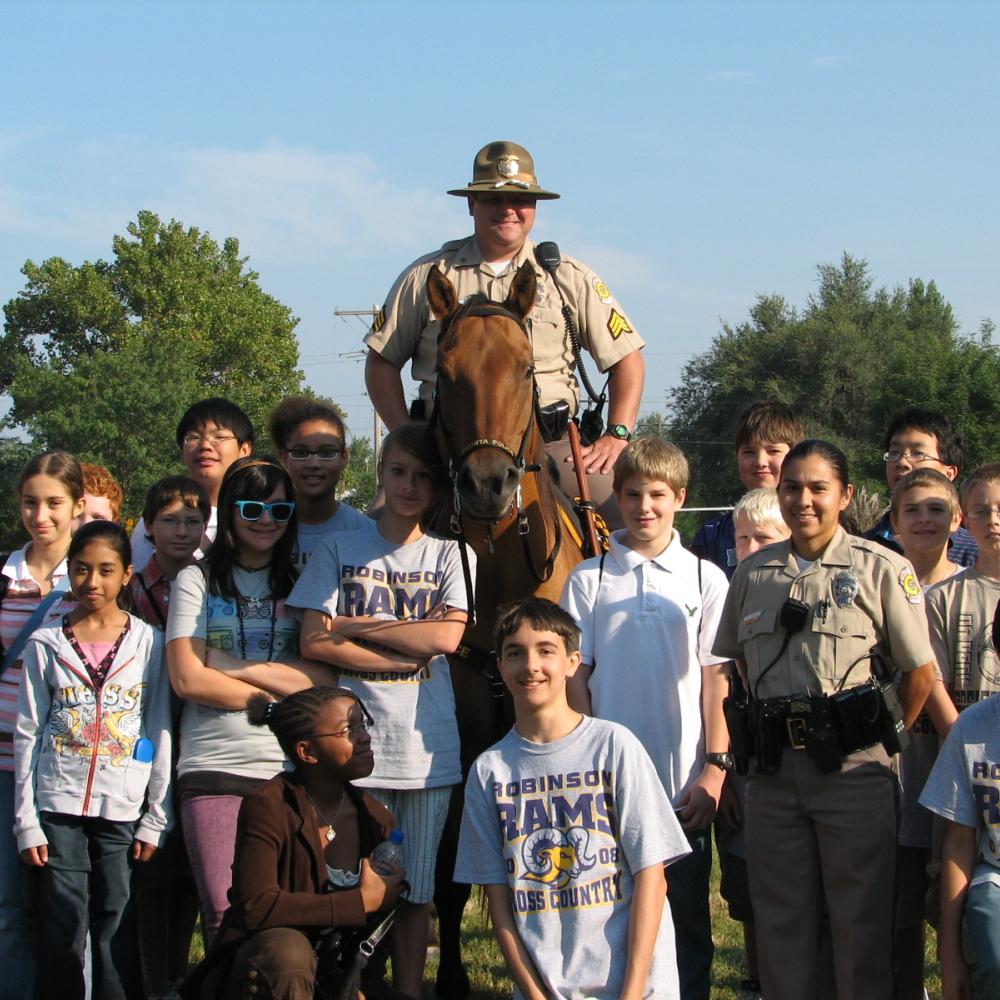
(490, 981)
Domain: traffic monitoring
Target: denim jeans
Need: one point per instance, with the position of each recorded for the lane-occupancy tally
(86, 884)
(687, 894)
(17, 939)
(982, 920)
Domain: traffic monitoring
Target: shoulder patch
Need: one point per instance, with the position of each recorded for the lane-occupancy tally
(910, 586)
(617, 324)
(379, 321)
(602, 291)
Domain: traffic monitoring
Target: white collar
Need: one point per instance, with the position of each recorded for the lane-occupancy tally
(669, 559)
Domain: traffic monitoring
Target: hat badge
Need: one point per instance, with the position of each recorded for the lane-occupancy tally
(507, 166)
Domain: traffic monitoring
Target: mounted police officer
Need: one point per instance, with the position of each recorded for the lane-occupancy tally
(502, 198)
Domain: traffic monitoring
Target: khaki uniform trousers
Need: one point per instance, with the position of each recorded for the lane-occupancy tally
(812, 837)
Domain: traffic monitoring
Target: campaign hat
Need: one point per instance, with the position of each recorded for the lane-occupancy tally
(504, 167)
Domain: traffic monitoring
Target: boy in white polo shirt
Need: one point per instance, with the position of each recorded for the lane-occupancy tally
(648, 611)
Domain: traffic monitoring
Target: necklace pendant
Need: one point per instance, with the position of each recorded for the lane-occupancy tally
(330, 834)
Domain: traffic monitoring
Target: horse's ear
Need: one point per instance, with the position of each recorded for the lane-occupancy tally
(441, 295)
(521, 297)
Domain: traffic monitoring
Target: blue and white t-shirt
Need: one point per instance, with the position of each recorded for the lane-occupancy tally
(566, 825)
(964, 786)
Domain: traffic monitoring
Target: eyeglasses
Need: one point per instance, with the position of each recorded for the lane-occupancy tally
(351, 732)
(193, 437)
(916, 457)
(190, 523)
(985, 512)
(253, 510)
(323, 454)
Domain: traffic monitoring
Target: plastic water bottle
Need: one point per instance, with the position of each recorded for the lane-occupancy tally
(389, 854)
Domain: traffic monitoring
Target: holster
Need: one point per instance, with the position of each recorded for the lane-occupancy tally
(737, 713)
(553, 420)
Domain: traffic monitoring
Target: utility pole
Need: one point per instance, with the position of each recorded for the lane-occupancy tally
(370, 313)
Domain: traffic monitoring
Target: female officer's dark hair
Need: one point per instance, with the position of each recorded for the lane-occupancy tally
(830, 453)
(294, 718)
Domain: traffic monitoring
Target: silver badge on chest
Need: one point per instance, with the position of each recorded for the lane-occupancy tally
(845, 589)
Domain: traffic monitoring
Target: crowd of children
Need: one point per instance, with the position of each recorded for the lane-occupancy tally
(137, 791)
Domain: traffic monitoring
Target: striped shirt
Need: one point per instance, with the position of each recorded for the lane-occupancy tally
(19, 603)
(150, 591)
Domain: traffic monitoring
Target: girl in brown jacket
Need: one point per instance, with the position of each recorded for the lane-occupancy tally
(302, 845)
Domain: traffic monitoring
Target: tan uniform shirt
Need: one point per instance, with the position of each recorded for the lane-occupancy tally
(405, 330)
(960, 615)
(887, 608)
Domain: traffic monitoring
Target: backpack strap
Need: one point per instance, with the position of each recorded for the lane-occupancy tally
(12, 655)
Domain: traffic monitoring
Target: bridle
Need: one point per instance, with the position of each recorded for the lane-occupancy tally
(479, 306)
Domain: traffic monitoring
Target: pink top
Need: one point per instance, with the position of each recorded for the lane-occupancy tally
(95, 652)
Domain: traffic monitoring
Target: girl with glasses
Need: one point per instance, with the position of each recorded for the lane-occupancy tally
(229, 636)
(302, 850)
(311, 441)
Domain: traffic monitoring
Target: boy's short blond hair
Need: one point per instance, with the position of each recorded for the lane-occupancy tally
(985, 475)
(652, 458)
(928, 479)
(99, 482)
(760, 507)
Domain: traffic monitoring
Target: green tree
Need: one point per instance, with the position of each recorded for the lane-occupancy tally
(14, 456)
(101, 359)
(358, 483)
(850, 358)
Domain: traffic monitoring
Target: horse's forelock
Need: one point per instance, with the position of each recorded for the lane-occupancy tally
(480, 304)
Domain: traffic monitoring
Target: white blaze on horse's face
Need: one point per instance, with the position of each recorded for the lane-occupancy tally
(503, 222)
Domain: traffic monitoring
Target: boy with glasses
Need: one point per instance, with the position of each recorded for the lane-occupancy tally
(960, 610)
(309, 437)
(211, 435)
(918, 438)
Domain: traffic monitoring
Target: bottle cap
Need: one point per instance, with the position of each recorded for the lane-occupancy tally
(397, 836)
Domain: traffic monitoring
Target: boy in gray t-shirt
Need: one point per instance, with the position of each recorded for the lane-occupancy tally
(568, 828)
(964, 788)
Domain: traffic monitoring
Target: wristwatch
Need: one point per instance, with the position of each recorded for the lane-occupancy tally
(619, 431)
(723, 761)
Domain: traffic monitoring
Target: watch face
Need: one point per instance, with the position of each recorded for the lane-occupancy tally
(619, 431)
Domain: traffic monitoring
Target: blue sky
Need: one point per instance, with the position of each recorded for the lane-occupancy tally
(705, 152)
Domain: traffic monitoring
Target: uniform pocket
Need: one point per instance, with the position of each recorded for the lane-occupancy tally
(756, 636)
(846, 634)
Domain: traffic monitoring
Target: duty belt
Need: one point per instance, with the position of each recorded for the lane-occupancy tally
(827, 728)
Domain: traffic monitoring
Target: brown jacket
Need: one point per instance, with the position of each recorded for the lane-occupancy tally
(279, 872)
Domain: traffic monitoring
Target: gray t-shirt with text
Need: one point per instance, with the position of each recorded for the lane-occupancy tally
(566, 825)
(415, 737)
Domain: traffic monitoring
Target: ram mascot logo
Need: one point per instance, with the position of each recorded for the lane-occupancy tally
(554, 858)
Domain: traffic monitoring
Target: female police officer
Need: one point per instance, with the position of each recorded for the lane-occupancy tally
(812, 619)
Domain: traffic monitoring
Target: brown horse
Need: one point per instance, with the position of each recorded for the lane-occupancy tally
(505, 505)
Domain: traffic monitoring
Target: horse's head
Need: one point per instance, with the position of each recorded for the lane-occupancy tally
(485, 391)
